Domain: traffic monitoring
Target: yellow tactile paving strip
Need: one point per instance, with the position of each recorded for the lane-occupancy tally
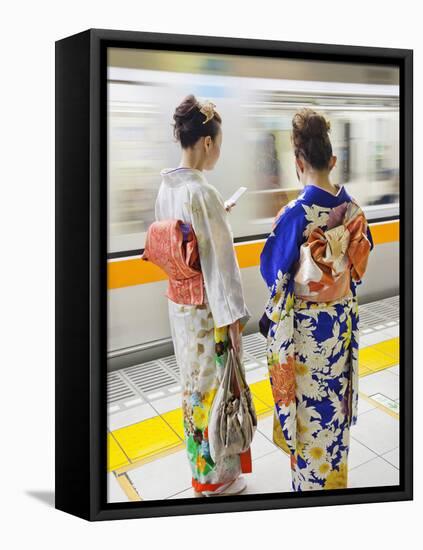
(116, 457)
(159, 435)
(378, 356)
(146, 438)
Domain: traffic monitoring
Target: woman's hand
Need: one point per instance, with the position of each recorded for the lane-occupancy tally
(235, 335)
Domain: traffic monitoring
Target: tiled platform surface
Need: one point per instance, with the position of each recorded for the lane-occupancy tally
(147, 457)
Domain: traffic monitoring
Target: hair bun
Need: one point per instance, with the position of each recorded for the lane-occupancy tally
(310, 137)
(309, 123)
(317, 125)
(186, 109)
(190, 123)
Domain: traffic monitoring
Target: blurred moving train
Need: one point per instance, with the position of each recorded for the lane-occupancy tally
(256, 153)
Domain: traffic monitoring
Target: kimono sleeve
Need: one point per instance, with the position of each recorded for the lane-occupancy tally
(279, 257)
(219, 265)
(356, 278)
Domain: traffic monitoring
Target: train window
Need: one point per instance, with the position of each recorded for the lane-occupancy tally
(256, 149)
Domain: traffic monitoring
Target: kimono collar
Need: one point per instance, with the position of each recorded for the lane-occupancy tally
(177, 176)
(316, 195)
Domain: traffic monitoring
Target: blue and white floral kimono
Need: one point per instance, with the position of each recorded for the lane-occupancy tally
(312, 261)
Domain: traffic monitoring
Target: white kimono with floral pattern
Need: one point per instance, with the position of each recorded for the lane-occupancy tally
(200, 333)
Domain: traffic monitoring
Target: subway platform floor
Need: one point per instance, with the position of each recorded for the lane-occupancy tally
(146, 454)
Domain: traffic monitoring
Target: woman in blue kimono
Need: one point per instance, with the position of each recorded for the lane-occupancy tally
(312, 261)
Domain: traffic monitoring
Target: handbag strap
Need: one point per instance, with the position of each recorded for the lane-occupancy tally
(227, 376)
(237, 367)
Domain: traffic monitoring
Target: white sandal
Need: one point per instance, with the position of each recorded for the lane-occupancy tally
(234, 487)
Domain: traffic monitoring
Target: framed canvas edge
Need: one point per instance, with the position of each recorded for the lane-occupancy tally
(72, 330)
(96, 508)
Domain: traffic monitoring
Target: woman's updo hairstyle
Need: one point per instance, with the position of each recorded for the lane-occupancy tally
(310, 137)
(188, 127)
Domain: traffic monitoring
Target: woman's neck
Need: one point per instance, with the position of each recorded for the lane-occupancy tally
(191, 160)
(320, 180)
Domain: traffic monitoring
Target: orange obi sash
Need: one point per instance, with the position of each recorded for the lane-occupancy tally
(175, 250)
(328, 259)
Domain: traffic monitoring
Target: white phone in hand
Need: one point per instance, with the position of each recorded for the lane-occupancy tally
(234, 198)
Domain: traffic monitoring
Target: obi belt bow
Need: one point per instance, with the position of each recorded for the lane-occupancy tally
(172, 246)
(328, 254)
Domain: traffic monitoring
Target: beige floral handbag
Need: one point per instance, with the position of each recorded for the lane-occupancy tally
(232, 417)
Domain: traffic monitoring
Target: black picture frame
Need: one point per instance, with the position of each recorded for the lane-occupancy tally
(81, 276)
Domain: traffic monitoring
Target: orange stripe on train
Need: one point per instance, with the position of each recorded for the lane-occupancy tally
(134, 271)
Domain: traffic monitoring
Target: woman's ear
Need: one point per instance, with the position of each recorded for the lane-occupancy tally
(207, 143)
(332, 162)
(298, 174)
(299, 166)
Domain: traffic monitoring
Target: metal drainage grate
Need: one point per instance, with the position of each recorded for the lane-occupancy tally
(118, 389)
(385, 310)
(254, 345)
(394, 302)
(379, 315)
(150, 377)
(171, 364)
(367, 318)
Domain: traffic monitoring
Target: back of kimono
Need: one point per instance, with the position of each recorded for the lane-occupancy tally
(312, 261)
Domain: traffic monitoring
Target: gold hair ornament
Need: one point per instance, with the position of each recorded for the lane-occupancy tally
(207, 108)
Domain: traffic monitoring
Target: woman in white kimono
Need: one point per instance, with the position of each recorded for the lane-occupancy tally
(201, 333)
